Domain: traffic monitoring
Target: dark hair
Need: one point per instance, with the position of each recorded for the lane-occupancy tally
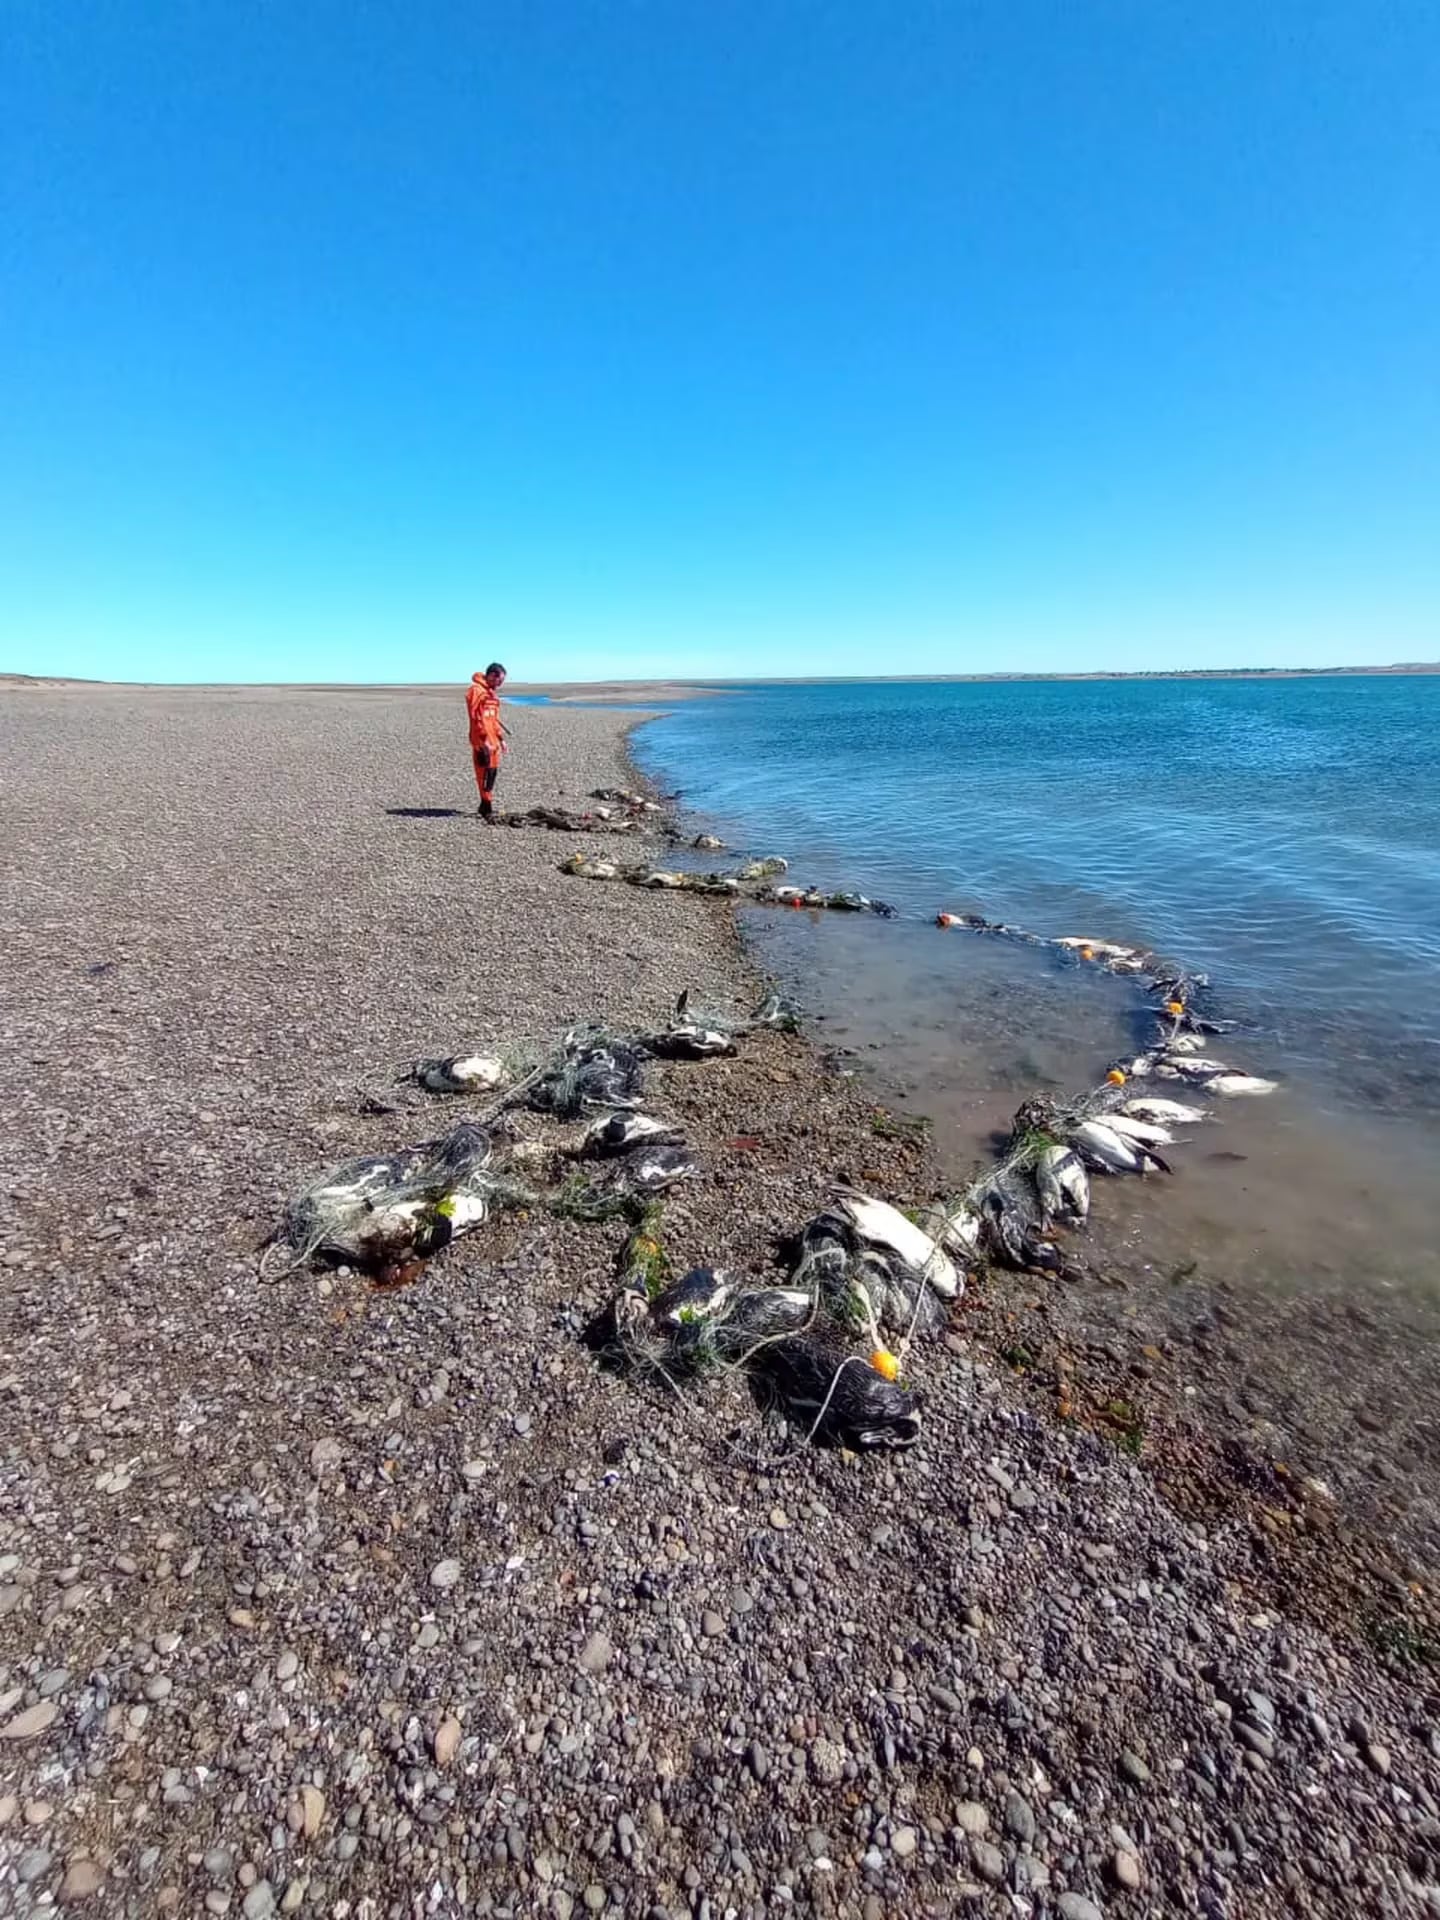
(494, 667)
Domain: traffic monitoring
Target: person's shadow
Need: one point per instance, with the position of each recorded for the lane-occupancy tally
(424, 813)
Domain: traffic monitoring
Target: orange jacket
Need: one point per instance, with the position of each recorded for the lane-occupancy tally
(483, 704)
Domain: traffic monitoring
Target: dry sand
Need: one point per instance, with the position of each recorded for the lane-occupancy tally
(680, 1668)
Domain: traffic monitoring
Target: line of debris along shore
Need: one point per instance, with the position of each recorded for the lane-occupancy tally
(828, 1345)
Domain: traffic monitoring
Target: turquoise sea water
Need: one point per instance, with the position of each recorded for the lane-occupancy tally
(1282, 834)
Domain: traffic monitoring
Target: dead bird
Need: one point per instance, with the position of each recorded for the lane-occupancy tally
(589, 868)
(864, 1285)
(593, 1071)
(688, 1041)
(1062, 1184)
(765, 868)
(697, 1295)
(778, 1012)
(1185, 1043)
(461, 1073)
(790, 896)
(1166, 1112)
(1130, 1127)
(1190, 1065)
(835, 1397)
(1012, 1240)
(1234, 1085)
(383, 1210)
(1097, 949)
(1101, 1147)
(652, 1167)
(955, 1226)
(620, 797)
(759, 1315)
(707, 843)
(878, 1224)
(616, 1133)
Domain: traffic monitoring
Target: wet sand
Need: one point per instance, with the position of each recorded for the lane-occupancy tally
(1281, 1293)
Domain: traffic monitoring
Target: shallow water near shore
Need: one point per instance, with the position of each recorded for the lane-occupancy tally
(1283, 836)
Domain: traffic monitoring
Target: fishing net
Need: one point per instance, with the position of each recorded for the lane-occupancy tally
(709, 1322)
(621, 1186)
(591, 1069)
(383, 1210)
(560, 820)
(834, 1397)
(867, 1288)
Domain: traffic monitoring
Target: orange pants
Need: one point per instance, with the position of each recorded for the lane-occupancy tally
(486, 768)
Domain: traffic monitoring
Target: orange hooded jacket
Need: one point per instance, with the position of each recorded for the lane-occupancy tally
(483, 704)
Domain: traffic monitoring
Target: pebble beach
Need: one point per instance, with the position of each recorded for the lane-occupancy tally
(324, 1598)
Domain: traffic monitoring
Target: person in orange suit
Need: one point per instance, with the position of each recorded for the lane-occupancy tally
(487, 736)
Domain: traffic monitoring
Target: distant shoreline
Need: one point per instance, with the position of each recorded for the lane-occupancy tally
(629, 691)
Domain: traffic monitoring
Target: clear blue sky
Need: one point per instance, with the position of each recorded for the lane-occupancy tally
(348, 339)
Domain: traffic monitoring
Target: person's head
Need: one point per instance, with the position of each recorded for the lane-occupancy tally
(495, 676)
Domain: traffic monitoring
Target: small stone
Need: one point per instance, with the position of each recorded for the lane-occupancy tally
(757, 1759)
(779, 1519)
(1075, 1906)
(217, 1902)
(83, 1880)
(522, 1423)
(30, 1724)
(38, 1813)
(219, 1863)
(445, 1575)
(241, 1617)
(595, 1897)
(989, 1861)
(1378, 1757)
(827, 1762)
(972, 1818)
(295, 1895)
(1133, 1768)
(945, 1697)
(9, 1807)
(287, 1666)
(312, 1809)
(711, 1624)
(259, 1902)
(158, 1687)
(33, 1864)
(447, 1740)
(1126, 1869)
(325, 1454)
(596, 1654)
(1257, 1742)
(903, 1842)
(1020, 1818)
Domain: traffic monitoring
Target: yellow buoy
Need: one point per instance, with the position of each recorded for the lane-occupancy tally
(1115, 1077)
(885, 1363)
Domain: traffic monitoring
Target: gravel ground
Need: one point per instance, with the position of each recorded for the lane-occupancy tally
(324, 1599)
